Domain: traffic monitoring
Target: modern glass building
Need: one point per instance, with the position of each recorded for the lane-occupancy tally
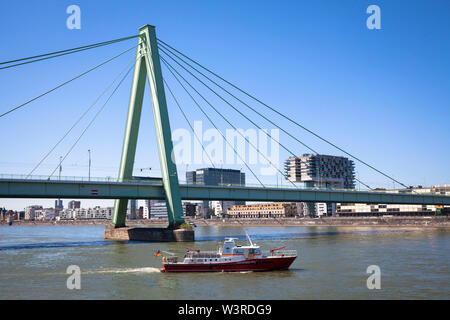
(321, 171)
(216, 177)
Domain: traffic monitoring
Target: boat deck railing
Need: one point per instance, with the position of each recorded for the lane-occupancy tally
(283, 253)
(170, 259)
(202, 255)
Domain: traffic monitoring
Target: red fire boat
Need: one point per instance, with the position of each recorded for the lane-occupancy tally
(230, 257)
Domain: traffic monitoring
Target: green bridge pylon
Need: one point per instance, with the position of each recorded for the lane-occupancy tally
(148, 66)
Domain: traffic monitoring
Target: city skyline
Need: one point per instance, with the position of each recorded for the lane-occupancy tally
(365, 76)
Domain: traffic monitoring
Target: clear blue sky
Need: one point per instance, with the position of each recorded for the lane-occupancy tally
(380, 94)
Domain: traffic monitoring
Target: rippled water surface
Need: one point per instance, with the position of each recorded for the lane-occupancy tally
(332, 264)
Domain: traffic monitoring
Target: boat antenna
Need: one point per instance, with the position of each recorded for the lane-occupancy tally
(248, 237)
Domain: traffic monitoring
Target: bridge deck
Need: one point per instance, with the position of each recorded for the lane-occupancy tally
(27, 188)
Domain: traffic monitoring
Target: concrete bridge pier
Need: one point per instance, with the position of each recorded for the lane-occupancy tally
(148, 234)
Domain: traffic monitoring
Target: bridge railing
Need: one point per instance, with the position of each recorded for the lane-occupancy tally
(6, 176)
(300, 187)
(158, 181)
(281, 253)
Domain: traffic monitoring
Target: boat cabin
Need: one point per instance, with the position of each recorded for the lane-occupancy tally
(231, 249)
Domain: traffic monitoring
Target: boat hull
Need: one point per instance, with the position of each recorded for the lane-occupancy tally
(261, 264)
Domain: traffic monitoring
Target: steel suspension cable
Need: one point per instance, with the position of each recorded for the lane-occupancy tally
(187, 120)
(232, 106)
(248, 106)
(93, 119)
(212, 122)
(223, 117)
(164, 51)
(218, 112)
(284, 116)
(67, 51)
(367, 186)
(79, 119)
(66, 82)
(46, 58)
(245, 104)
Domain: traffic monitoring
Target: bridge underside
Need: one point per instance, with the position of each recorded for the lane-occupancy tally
(18, 188)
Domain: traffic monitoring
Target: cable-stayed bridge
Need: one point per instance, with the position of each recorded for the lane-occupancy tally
(146, 66)
(98, 188)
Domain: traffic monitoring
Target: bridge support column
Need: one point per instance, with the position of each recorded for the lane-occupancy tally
(148, 66)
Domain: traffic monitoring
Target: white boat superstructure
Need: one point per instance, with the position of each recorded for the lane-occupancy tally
(231, 257)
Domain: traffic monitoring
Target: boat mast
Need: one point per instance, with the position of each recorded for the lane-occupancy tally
(248, 237)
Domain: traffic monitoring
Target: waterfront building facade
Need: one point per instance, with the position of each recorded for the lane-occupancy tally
(30, 211)
(10, 214)
(140, 213)
(263, 210)
(222, 207)
(216, 177)
(368, 209)
(321, 171)
(47, 214)
(157, 209)
(74, 204)
(190, 209)
(440, 188)
(132, 209)
(104, 213)
(59, 204)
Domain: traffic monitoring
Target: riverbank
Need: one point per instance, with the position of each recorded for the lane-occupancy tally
(441, 222)
(335, 221)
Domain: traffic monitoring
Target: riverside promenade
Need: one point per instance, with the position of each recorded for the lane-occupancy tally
(394, 221)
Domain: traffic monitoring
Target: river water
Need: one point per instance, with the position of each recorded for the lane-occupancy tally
(332, 264)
